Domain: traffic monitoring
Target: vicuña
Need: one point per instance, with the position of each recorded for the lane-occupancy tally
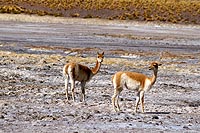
(77, 72)
(134, 81)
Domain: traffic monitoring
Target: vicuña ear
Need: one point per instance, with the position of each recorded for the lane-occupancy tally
(159, 64)
(97, 53)
(103, 53)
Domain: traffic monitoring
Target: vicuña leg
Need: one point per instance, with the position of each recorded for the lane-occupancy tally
(66, 86)
(114, 98)
(137, 101)
(142, 100)
(72, 89)
(117, 100)
(83, 90)
(139, 98)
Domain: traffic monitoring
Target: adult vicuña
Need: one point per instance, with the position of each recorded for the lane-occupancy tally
(135, 81)
(81, 73)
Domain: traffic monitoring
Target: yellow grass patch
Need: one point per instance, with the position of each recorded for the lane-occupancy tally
(175, 11)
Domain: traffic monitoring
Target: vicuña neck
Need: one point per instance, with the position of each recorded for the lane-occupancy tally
(153, 78)
(96, 68)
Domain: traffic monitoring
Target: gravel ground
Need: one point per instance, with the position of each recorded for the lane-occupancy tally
(34, 49)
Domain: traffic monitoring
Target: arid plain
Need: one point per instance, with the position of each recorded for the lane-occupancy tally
(33, 51)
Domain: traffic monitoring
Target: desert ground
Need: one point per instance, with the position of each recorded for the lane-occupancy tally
(33, 51)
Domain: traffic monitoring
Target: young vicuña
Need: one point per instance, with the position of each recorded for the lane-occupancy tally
(134, 81)
(77, 72)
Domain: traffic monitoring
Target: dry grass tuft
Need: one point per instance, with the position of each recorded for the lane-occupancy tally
(169, 63)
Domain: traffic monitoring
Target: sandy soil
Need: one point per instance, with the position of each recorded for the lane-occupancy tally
(34, 50)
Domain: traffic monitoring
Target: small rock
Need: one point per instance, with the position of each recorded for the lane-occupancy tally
(96, 111)
(130, 124)
(155, 117)
(2, 117)
(186, 127)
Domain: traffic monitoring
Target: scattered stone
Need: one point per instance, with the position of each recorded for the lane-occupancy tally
(186, 127)
(2, 117)
(155, 117)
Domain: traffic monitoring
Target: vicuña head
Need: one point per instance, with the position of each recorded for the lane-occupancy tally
(77, 72)
(133, 81)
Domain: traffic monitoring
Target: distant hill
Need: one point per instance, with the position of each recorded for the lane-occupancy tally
(173, 11)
